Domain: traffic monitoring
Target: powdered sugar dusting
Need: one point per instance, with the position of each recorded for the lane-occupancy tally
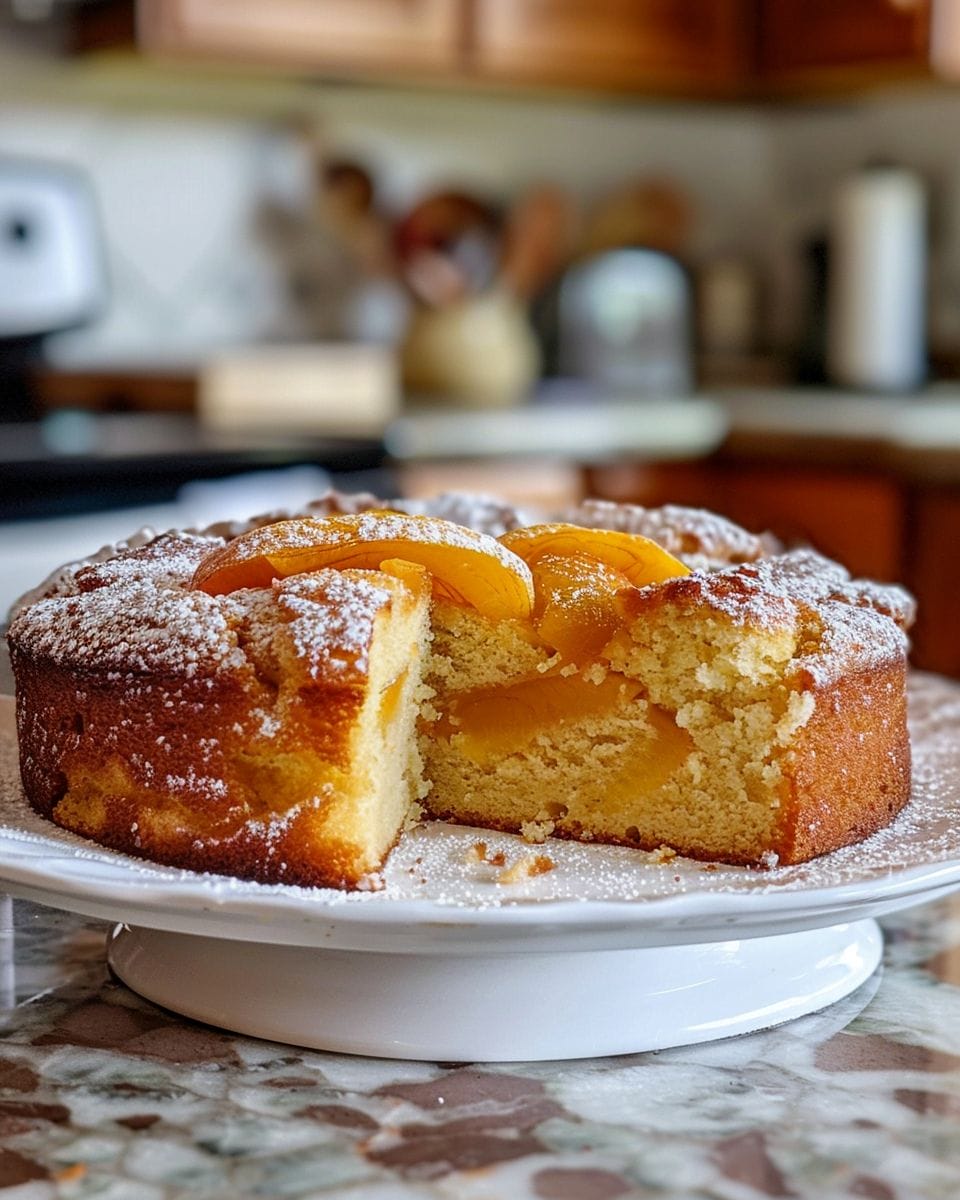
(141, 629)
(332, 616)
(432, 864)
(486, 514)
(135, 613)
(324, 619)
(331, 503)
(164, 562)
(849, 623)
(60, 582)
(765, 589)
(131, 614)
(811, 578)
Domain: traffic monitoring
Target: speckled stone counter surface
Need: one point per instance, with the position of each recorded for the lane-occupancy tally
(103, 1095)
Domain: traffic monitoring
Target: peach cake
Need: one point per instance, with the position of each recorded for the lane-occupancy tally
(279, 704)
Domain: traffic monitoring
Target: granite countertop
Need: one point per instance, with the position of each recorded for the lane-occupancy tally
(104, 1095)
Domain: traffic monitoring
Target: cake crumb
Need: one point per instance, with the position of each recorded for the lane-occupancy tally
(549, 663)
(595, 673)
(427, 711)
(666, 854)
(526, 867)
(415, 814)
(480, 852)
(538, 830)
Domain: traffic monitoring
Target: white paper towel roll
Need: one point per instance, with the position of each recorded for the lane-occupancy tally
(876, 317)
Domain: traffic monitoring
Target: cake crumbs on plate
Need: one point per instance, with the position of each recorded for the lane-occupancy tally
(526, 867)
(479, 852)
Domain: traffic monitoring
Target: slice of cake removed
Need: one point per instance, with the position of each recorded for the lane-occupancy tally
(749, 715)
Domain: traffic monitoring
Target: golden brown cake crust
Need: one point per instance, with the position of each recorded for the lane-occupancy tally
(851, 767)
(160, 721)
(69, 722)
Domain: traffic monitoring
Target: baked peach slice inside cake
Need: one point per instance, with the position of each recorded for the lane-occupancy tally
(552, 739)
(579, 577)
(752, 714)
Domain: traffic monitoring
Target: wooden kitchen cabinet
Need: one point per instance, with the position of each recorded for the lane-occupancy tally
(688, 47)
(806, 40)
(695, 45)
(932, 571)
(337, 35)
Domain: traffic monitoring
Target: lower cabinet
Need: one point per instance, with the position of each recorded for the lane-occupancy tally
(932, 571)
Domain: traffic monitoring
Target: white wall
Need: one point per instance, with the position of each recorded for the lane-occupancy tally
(181, 161)
(179, 176)
(176, 201)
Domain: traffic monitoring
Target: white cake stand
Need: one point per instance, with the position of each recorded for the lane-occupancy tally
(610, 952)
(517, 1006)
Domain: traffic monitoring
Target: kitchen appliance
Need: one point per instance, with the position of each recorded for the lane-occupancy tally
(52, 273)
(624, 324)
(877, 284)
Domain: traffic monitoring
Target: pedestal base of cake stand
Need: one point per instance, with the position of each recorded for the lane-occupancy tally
(510, 1007)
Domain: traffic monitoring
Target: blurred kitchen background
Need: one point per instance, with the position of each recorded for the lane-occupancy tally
(691, 251)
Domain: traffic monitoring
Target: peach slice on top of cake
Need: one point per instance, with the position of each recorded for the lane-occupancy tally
(641, 560)
(466, 567)
(579, 578)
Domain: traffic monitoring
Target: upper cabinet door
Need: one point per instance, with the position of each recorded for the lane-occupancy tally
(798, 37)
(340, 35)
(637, 45)
(688, 47)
